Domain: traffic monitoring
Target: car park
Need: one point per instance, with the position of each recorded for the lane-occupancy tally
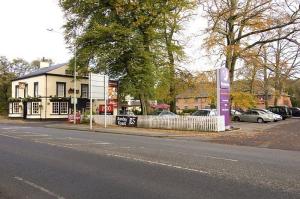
(281, 110)
(276, 117)
(205, 112)
(254, 116)
(295, 111)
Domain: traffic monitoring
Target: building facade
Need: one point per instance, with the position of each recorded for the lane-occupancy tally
(48, 93)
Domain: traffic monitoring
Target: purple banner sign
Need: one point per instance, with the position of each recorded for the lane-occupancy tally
(224, 94)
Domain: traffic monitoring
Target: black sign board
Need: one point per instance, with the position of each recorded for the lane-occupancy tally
(130, 121)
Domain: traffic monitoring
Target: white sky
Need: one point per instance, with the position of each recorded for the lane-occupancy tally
(23, 33)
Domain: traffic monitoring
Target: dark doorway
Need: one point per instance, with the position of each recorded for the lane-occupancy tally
(24, 110)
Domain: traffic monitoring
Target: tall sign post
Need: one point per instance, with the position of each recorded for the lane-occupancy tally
(98, 90)
(223, 95)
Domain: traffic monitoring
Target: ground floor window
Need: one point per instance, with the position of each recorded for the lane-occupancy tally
(35, 108)
(60, 108)
(63, 107)
(55, 107)
(16, 107)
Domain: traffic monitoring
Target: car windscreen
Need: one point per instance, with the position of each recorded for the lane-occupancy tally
(201, 113)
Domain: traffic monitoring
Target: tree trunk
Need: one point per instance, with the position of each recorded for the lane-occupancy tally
(143, 104)
(172, 80)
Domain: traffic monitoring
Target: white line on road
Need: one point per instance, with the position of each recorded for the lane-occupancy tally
(10, 136)
(34, 135)
(219, 158)
(158, 163)
(38, 187)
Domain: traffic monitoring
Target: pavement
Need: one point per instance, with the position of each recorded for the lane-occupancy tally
(39, 162)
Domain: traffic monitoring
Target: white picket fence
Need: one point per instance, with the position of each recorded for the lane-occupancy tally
(192, 123)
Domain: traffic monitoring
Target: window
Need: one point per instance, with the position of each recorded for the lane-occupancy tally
(60, 89)
(17, 91)
(26, 91)
(84, 90)
(55, 107)
(196, 107)
(63, 107)
(35, 107)
(196, 100)
(60, 108)
(36, 89)
(185, 107)
(16, 108)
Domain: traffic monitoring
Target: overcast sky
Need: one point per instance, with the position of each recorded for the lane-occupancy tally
(23, 32)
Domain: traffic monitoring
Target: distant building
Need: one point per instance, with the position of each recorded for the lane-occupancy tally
(193, 99)
(48, 94)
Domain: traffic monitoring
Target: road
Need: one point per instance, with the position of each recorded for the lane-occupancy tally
(38, 162)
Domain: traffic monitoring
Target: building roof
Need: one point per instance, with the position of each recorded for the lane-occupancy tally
(41, 71)
(193, 93)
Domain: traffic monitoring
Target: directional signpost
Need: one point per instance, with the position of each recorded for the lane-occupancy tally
(98, 90)
(223, 95)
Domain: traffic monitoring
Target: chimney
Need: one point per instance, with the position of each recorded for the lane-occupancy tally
(44, 64)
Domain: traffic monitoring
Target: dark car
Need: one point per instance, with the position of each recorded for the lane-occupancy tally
(295, 111)
(205, 112)
(281, 110)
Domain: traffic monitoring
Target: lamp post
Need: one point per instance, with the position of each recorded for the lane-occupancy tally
(75, 66)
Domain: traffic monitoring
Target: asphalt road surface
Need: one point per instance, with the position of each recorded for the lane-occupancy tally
(38, 162)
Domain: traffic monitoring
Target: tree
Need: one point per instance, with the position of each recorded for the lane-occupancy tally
(177, 12)
(123, 39)
(284, 62)
(5, 84)
(20, 67)
(237, 26)
(117, 38)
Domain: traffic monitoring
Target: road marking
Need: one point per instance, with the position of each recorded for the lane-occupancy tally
(212, 157)
(38, 187)
(14, 128)
(51, 144)
(219, 158)
(34, 135)
(10, 136)
(158, 163)
(84, 144)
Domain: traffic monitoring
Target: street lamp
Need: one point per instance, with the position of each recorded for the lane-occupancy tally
(75, 85)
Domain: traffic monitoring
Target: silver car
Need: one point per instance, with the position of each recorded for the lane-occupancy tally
(254, 116)
(276, 117)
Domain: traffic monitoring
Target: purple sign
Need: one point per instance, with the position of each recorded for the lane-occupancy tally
(224, 94)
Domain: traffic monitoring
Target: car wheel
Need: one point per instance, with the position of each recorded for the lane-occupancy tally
(260, 120)
(236, 119)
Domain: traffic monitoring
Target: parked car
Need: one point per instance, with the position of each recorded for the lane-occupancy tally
(205, 112)
(275, 116)
(167, 114)
(281, 110)
(254, 116)
(234, 113)
(295, 111)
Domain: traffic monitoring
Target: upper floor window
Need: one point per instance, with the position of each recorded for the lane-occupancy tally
(36, 89)
(84, 90)
(26, 91)
(60, 89)
(16, 91)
